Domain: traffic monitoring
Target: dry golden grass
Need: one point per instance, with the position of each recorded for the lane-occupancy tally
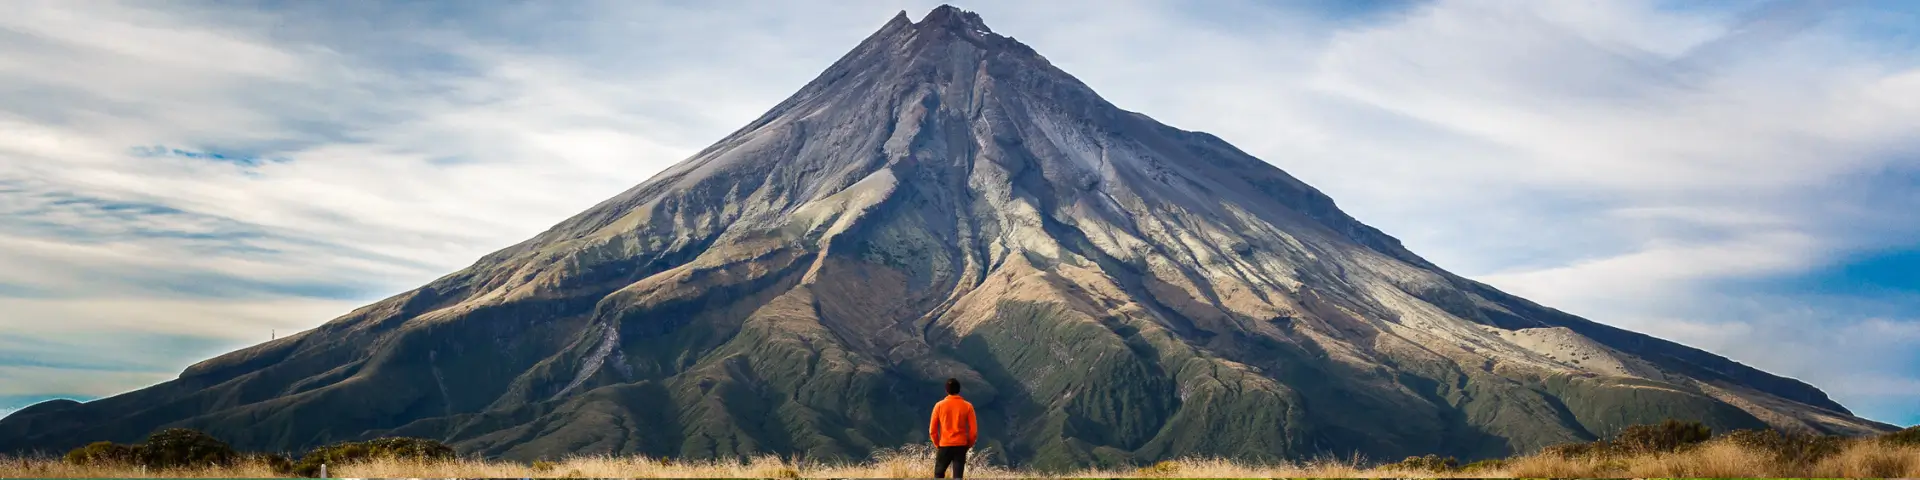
(1881, 462)
(1860, 459)
(1863, 459)
(54, 468)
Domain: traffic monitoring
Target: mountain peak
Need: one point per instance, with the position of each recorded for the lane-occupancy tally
(949, 16)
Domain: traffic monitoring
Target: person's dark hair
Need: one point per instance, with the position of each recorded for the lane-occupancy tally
(953, 386)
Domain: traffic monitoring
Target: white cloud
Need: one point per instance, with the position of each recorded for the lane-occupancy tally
(244, 321)
(19, 380)
(1659, 270)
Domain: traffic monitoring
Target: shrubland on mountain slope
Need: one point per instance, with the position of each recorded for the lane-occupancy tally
(943, 202)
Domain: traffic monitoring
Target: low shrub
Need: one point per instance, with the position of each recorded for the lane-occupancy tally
(1164, 468)
(280, 464)
(106, 454)
(170, 448)
(182, 447)
(1573, 450)
(1488, 465)
(1664, 437)
(1786, 448)
(1428, 463)
(380, 448)
(408, 447)
(1667, 436)
(1908, 437)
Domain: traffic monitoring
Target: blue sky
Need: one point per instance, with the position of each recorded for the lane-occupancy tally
(180, 179)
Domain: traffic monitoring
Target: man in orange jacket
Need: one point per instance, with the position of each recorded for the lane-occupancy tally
(954, 431)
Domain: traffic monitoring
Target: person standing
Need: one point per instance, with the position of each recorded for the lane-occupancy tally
(954, 431)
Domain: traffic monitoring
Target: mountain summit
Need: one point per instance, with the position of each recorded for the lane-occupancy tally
(944, 202)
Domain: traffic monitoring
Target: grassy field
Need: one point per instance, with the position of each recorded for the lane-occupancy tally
(1715, 459)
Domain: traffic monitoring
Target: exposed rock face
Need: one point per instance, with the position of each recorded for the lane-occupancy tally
(943, 202)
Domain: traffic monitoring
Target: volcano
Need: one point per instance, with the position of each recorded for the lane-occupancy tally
(943, 202)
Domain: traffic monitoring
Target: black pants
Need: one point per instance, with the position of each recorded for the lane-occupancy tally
(956, 456)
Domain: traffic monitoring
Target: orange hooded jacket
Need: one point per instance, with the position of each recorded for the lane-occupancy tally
(953, 423)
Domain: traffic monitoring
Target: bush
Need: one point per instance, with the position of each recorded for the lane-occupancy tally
(1165, 468)
(1668, 436)
(379, 448)
(281, 464)
(181, 447)
(1787, 448)
(1428, 463)
(407, 447)
(543, 465)
(1572, 450)
(1910, 436)
(1664, 437)
(1491, 464)
(170, 448)
(106, 453)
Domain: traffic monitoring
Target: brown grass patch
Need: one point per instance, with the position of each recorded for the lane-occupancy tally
(1856, 459)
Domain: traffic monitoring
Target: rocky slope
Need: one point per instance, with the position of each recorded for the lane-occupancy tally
(943, 202)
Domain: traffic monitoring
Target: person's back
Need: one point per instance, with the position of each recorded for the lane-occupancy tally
(953, 430)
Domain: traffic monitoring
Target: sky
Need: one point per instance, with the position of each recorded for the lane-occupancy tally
(181, 179)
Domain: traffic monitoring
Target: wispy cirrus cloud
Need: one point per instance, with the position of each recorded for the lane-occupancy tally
(206, 171)
(191, 171)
